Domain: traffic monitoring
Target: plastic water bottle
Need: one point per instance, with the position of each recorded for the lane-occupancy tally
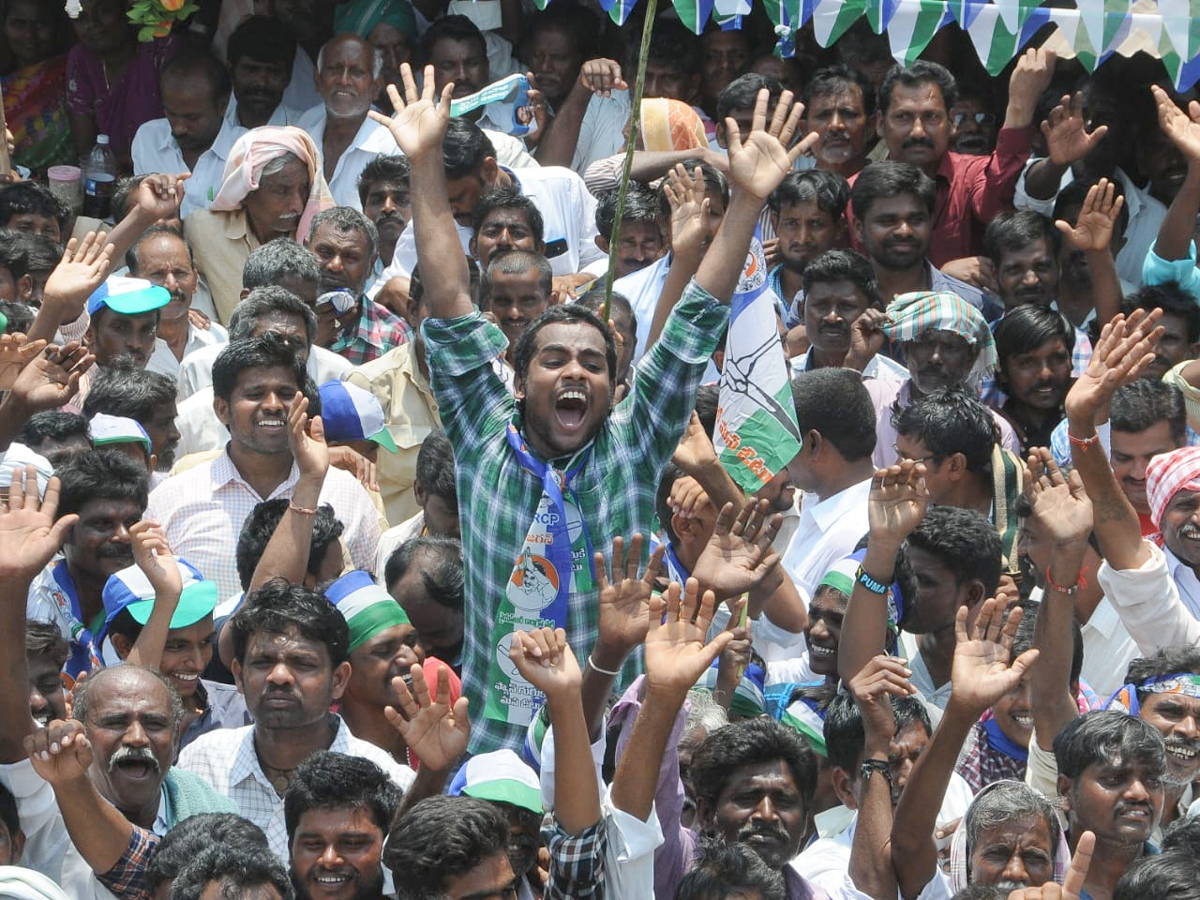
(100, 176)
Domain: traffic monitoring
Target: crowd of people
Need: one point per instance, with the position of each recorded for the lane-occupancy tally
(357, 542)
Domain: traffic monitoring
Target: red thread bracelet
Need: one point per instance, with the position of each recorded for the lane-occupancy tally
(1083, 442)
(1071, 591)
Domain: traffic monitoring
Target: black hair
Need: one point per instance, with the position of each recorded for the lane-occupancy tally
(465, 146)
(714, 180)
(45, 639)
(511, 198)
(891, 178)
(439, 839)
(20, 317)
(385, 169)
(236, 868)
(1183, 835)
(435, 467)
(444, 579)
(1023, 639)
(742, 93)
(845, 736)
(100, 475)
(730, 870)
(450, 28)
(267, 351)
(919, 73)
(9, 817)
(569, 18)
(844, 265)
(1108, 736)
(278, 608)
(838, 79)
(516, 263)
(1015, 230)
(671, 473)
(746, 743)
(672, 44)
(130, 392)
(133, 263)
(950, 421)
(192, 65)
(834, 403)
(260, 525)
(708, 398)
(982, 892)
(1075, 193)
(266, 39)
(1028, 327)
(31, 197)
(1140, 404)
(641, 205)
(1173, 875)
(329, 780)
(263, 301)
(593, 300)
(13, 251)
(1169, 660)
(52, 425)
(829, 190)
(123, 189)
(963, 541)
(192, 836)
(1172, 300)
(41, 253)
(569, 314)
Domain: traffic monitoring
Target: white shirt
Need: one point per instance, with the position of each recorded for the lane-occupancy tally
(202, 511)
(283, 115)
(195, 370)
(1148, 602)
(163, 360)
(391, 539)
(227, 760)
(370, 141)
(568, 212)
(1145, 217)
(602, 131)
(198, 425)
(1186, 582)
(301, 92)
(642, 289)
(880, 366)
(1107, 647)
(155, 150)
(828, 531)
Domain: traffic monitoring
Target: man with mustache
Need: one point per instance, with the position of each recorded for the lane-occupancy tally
(261, 53)
(107, 492)
(839, 104)
(914, 121)
(383, 188)
(1146, 419)
(894, 205)
(1034, 346)
(124, 322)
(146, 397)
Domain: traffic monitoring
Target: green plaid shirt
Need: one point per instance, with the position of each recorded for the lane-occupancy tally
(497, 497)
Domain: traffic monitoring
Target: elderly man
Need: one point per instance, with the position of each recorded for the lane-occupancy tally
(272, 187)
(390, 26)
(349, 77)
(945, 343)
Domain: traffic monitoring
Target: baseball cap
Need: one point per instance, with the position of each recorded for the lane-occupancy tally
(501, 777)
(128, 296)
(107, 430)
(366, 606)
(351, 413)
(131, 589)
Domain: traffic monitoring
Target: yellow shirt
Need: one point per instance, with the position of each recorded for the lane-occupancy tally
(410, 413)
(221, 243)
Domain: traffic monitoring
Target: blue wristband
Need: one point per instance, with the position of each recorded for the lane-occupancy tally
(870, 583)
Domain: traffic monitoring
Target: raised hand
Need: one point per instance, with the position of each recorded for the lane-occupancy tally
(897, 502)
(980, 673)
(866, 338)
(1065, 130)
(1093, 229)
(739, 554)
(1181, 128)
(15, 354)
(760, 160)
(307, 440)
(60, 752)
(153, 556)
(1123, 351)
(1030, 76)
(159, 196)
(689, 209)
(52, 378)
(1060, 506)
(419, 123)
(533, 113)
(676, 655)
(29, 533)
(602, 76)
(433, 730)
(695, 449)
(873, 688)
(545, 660)
(735, 657)
(82, 269)
(624, 614)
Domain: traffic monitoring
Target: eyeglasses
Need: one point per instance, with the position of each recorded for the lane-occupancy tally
(916, 459)
(981, 119)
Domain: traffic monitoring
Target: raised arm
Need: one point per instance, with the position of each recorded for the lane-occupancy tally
(689, 229)
(980, 675)
(81, 270)
(895, 508)
(1067, 142)
(153, 557)
(29, 538)
(1120, 355)
(596, 76)
(1183, 129)
(1092, 233)
(435, 730)
(1062, 512)
(286, 554)
(419, 124)
(48, 381)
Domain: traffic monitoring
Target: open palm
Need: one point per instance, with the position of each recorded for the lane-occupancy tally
(15, 354)
(980, 673)
(434, 731)
(1059, 503)
(1093, 229)
(676, 655)
(1183, 129)
(419, 122)
(760, 160)
(739, 554)
(1066, 134)
(29, 533)
(624, 614)
(898, 500)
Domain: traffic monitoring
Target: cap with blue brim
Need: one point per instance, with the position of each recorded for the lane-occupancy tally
(128, 296)
(366, 606)
(131, 589)
(107, 430)
(500, 777)
(351, 413)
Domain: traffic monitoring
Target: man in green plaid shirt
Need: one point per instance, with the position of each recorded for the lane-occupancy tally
(565, 365)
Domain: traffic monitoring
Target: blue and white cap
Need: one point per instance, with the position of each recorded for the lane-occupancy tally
(366, 606)
(131, 589)
(128, 296)
(351, 413)
(107, 430)
(18, 456)
(501, 777)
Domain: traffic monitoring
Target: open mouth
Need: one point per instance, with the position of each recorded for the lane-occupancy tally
(570, 408)
(136, 769)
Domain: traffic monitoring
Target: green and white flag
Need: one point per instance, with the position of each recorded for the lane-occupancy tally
(757, 433)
